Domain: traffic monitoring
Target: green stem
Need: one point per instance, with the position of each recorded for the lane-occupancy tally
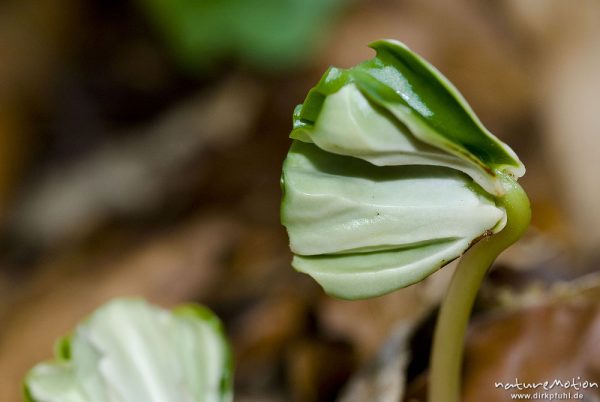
(448, 341)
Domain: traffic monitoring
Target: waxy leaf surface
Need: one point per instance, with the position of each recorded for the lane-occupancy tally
(362, 230)
(130, 351)
(390, 175)
(427, 121)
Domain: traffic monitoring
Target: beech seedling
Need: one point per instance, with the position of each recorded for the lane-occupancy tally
(131, 351)
(391, 176)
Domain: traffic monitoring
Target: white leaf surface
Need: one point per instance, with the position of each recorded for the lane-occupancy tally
(349, 124)
(130, 351)
(362, 230)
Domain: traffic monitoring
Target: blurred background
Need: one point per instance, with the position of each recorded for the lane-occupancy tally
(141, 144)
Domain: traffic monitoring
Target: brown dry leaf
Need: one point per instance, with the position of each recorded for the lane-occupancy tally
(259, 265)
(139, 172)
(366, 324)
(316, 369)
(585, 289)
(565, 63)
(13, 149)
(541, 334)
(379, 330)
(34, 36)
(261, 334)
(384, 379)
(543, 343)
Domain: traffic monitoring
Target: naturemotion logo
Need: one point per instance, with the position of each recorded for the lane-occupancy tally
(569, 388)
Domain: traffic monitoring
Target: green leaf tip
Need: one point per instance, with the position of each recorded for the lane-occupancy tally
(434, 123)
(390, 175)
(131, 351)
